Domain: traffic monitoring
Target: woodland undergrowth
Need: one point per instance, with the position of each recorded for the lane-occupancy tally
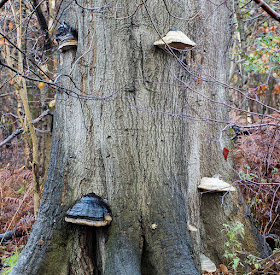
(16, 200)
(257, 160)
(257, 164)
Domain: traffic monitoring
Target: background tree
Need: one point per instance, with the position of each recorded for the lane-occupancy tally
(138, 126)
(25, 57)
(256, 58)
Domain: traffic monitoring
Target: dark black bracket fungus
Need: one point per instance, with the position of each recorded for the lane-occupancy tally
(67, 37)
(239, 132)
(90, 210)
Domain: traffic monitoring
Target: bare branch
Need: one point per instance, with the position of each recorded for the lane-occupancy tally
(268, 9)
(25, 55)
(2, 3)
(20, 130)
(43, 23)
(12, 136)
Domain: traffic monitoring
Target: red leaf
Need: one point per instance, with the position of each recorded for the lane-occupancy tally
(225, 153)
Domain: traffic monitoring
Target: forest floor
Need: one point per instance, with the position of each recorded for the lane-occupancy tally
(16, 204)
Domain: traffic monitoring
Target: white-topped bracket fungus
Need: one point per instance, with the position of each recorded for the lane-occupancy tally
(90, 210)
(206, 264)
(215, 185)
(67, 37)
(175, 39)
(154, 226)
(192, 228)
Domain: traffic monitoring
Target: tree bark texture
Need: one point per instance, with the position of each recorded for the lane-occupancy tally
(131, 148)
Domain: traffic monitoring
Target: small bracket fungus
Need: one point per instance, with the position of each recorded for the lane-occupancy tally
(176, 40)
(215, 185)
(207, 264)
(67, 37)
(192, 228)
(154, 226)
(90, 210)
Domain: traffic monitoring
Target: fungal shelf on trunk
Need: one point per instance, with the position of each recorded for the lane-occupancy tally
(67, 37)
(176, 39)
(215, 185)
(90, 210)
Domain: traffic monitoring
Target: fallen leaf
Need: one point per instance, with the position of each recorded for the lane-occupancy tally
(10, 26)
(41, 85)
(3, 41)
(52, 103)
(225, 153)
(224, 269)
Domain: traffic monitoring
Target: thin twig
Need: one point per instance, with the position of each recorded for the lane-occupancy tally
(20, 130)
(268, 9)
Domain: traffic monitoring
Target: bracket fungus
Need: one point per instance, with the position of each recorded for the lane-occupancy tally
(215, 185)
(206, 264)
(154, 226)
(67, 37)
(192, 228)
(90, 210)
(175, 39)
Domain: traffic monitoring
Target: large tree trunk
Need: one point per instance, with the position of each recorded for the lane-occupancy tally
(131, 148)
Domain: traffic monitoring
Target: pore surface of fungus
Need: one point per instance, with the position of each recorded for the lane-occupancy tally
(215, 185)
(176, 40)
(90, 210)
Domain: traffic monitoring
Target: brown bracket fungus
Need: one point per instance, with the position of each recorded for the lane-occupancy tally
(176, 40)
(90, 210)
(67, 37)
(215, 185)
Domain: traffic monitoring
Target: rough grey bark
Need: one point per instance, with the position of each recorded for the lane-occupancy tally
(146, 163)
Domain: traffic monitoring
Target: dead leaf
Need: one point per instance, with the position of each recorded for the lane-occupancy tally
(224, 269)
(225, 153)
